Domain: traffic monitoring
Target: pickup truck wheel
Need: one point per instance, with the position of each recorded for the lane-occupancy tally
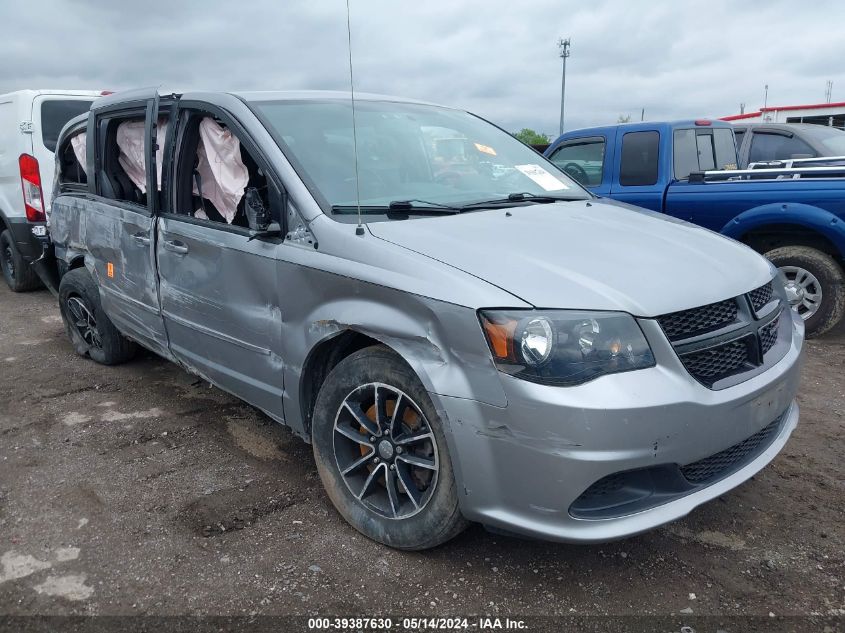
(89, 329)
(381, 453)
(18, 274)
(815, 286)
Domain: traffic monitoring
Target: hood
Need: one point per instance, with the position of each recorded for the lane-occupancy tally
(591, 255)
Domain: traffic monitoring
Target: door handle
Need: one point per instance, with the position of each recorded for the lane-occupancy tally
(176, 247)
(141, 239)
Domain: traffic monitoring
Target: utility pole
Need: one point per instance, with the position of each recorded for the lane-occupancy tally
(828, 92)
(563, 45)
(766, 95)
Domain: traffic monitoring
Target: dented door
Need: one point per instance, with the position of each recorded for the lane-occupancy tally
(219, 299)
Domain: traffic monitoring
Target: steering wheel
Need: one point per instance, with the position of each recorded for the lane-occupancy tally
(577, 173)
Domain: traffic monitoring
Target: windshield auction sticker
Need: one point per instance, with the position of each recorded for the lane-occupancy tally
(543, 178)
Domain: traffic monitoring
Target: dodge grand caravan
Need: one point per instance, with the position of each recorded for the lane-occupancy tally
(461, 331)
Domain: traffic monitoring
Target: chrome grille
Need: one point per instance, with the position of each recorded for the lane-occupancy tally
(761, 297)
(688, 323)
(722, 463)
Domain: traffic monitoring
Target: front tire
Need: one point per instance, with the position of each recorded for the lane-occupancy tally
(89, 329)
(381, 452)
(815, 286)
(17, 272)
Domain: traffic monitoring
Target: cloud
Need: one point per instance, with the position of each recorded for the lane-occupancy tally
(494, 57)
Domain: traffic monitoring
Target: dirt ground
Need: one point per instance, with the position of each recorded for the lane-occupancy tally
(140, 490)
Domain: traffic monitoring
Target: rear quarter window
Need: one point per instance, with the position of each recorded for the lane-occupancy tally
(55, 113)
(639, 159)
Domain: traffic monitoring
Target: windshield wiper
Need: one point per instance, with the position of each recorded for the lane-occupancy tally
(516, 198)
(400, 207)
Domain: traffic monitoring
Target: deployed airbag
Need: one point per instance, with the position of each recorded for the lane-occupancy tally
(222, 171)
(130, 140)
(79, 150)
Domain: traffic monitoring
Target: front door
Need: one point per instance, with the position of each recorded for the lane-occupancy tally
(219, 288)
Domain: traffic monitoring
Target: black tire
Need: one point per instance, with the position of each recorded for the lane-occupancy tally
(98, 338)
(17, 272)
(436, 520)
(830, 277)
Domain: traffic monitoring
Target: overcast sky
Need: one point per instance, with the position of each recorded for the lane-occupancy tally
(496, 58)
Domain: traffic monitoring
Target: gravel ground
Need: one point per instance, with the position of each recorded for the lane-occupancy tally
(140, 490)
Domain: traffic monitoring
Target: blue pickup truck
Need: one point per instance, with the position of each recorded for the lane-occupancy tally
(799, 224)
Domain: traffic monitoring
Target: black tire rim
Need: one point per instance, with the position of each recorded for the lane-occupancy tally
(385, 451)
(9, 261)
(83, 320)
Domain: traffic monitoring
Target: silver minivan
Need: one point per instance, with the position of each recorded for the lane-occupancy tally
(461, 331)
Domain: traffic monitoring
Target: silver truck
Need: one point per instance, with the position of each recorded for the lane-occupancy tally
(461, 331)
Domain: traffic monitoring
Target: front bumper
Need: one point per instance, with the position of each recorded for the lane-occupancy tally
(521, 467)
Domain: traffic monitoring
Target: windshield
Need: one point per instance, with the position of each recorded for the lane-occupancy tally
(832, 138)
(407, 152)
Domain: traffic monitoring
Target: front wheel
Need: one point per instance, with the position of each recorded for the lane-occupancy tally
(381, 452)
(815, 286)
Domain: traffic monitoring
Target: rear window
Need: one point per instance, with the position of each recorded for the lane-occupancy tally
(698, 149)
(55, 113)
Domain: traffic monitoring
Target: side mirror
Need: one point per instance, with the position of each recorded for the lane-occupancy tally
(257, 215)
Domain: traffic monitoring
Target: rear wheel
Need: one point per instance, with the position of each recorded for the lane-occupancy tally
(18, 274)
(381, 452)
(815, 286)
(89, 329)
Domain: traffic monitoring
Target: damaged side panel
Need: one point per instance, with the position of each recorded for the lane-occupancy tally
(413, 326)
(220, 301)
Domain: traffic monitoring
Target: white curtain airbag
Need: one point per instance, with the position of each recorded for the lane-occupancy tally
(222, 171)
(130, 140)
(79, 150)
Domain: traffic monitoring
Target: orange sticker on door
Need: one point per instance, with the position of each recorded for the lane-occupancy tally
(485, 148)
(110, 270)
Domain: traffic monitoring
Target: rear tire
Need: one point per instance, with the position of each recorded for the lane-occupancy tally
(88, 327)
(17, 272)
(385, 468)
(825, 277)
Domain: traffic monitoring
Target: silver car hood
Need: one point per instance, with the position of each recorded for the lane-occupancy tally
(593, 256)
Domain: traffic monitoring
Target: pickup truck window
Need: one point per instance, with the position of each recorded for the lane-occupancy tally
(639, 159)
(406, 151)
(766, 146)
(703, 149)
(583, 160)
(115, 181)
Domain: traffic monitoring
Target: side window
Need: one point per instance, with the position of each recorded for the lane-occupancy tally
(123, 166)
(639, 159)
(583, 160)
(71, 163)
(767, 146)
(217, 180)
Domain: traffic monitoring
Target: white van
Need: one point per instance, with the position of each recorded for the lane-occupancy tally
(30, 122)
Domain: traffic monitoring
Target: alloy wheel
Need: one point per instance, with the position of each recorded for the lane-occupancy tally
(803, 290)
(385, 451)
(84, 322)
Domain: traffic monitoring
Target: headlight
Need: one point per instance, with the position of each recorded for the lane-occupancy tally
(564, 347)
